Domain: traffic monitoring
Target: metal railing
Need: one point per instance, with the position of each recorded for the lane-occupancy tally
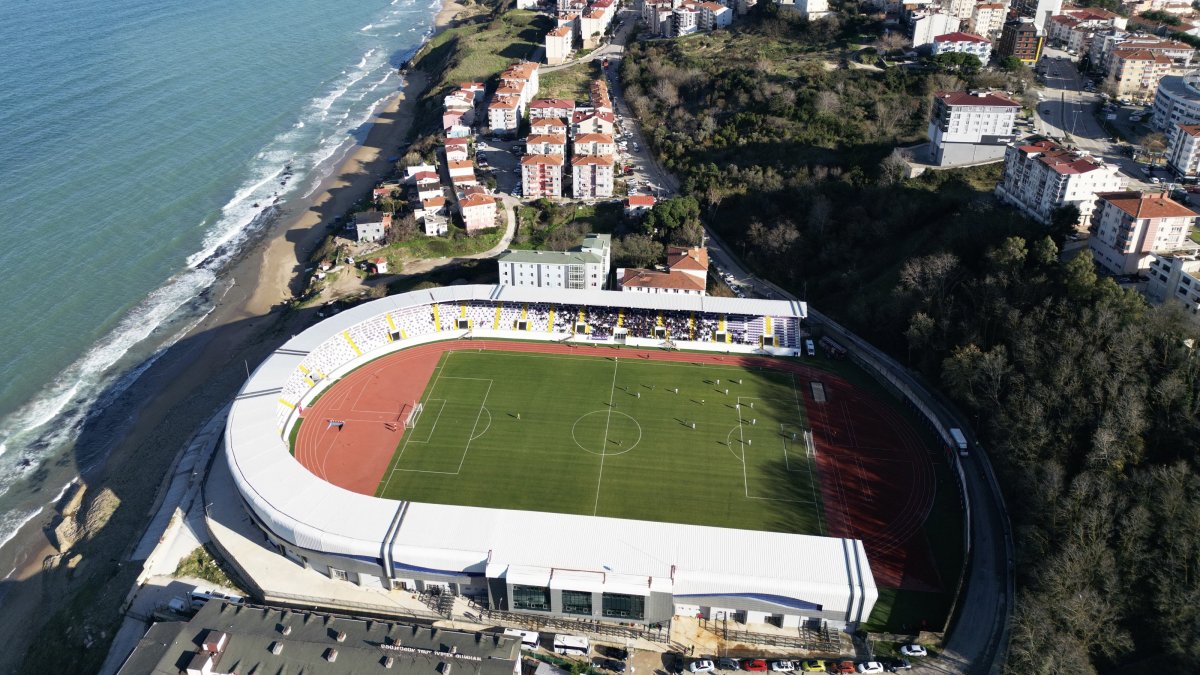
(660, 634)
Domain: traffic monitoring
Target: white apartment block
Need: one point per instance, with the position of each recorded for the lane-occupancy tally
(541, 175)
(504, 115)
(1134, 74)
(987, 19)
(714, 15)
(1177, 101)
(1175, 278)
(1132, 225)
(594, 144)
(558, 45)
(959, 9)
(585, 267)
(1183, 152)
(553, 108)
(812, 9)
(546, 144)
(926, 26)
(549, 125)
(1045, 9)
(478, 211)
(592, 176)
(1041, 176)
(963, 43)
(970, 127)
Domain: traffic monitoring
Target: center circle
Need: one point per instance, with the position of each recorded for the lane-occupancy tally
(606, 432)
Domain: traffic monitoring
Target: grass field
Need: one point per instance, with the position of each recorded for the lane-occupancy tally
(610, 437)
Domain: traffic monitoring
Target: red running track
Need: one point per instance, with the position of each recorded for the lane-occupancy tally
(877, 478)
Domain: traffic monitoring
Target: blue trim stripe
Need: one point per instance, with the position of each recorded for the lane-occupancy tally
(765, 597)
(428, 570)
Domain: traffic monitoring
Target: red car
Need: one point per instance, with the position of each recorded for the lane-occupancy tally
(755, 664)
(843, 667)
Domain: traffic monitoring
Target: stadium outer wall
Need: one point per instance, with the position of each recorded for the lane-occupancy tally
(486, 553)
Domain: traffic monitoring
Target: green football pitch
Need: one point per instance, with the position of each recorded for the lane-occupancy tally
(618, 437)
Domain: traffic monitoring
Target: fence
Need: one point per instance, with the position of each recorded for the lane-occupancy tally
(661, 633)
(807, 639)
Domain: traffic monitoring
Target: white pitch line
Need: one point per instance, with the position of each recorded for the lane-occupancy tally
(612, 392)
(475, 426)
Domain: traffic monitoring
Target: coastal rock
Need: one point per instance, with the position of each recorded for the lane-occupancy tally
(101, 508)
(65, 529)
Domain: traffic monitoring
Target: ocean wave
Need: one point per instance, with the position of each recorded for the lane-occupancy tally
(12, 522)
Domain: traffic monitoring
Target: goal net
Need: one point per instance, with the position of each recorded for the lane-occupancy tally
(414, 414)
(810, 448)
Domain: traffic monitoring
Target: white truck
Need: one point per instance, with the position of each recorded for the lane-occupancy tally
(529, 638)
(960, 441)
(571, 645)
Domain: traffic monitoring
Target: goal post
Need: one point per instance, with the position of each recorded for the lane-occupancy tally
(809, 447)
(414, 414)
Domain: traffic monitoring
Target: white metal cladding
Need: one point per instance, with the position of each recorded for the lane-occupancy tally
(443, 539)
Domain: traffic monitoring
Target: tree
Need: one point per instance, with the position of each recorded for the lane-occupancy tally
(637, 250)
(958, 62)
(1011, 63)
(1064, 220)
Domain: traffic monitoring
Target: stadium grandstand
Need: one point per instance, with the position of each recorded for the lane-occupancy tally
(544, 563)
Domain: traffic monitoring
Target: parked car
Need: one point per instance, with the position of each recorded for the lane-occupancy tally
(814, 666)
(894, 665)
(618, 653)
(754, 665)
(913, 650)
(870, 667)
(609, 664)
(728, 664)
(783, 666)
(842, 667)
(702, 666)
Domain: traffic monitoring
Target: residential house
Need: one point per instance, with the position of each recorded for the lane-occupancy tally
(372, 225)
(811, 9)
(546, 144)
(594, 144)
(963, 43)
(584, 267)
(685, 19)
(549, 126)
(559, 108)
(714, 15)
(1020, 38)
(558, 44)
(638, 205)
(460, 169)
(1132, 225)
(1041, 176)
(541, 175)
(599, 98)
(428, 184)
(526, 72)
(1183, 152)
(587, 122)
(478, 212)
(435, 225)
(1134, 73)
(969, 127)
(414, 169)
(592, 24)
(457, 149)
(686, 273)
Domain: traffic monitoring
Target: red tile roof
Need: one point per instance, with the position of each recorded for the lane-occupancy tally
(599, 160)
(1190, 129)
(560, 32)
(960, 37)
(684, 258)
(457, 141)
(548, 122)
(639, 200)
(658, 279)
(556, 160)
(476, 199)
(553, 139)
(594, 138)
(552, 103)
(1147, 205)
(463, 164)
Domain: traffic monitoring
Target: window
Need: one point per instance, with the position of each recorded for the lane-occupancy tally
(621, 606)
(531, 597)
(577, 602)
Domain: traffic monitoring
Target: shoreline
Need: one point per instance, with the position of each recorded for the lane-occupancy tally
(193, 378)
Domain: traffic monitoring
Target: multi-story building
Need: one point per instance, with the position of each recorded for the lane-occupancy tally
(987, 19)
(558, 45)
(549, 126)
(592, 176)
(599, 98)
(686, 273)
(1175, 278)
(1132, 225)
(925, 26)
(594, 144)
(959, 9)
(592, 24)
(372, 225)
(478, 211)
(1020, 38)
(1177, 101)
(1183, 151)
(560, 108)
(541, 175)
(1106, 42)
(812, 9)
(504, 115)
(1041, 176)
(1134, 74)
(714, 15)
(685, 19)
(457, 149)
(963, 43)
(1073, 29)
(585, 267)
(969, 127)
(546, 144)
(525, 75)
(592, 122)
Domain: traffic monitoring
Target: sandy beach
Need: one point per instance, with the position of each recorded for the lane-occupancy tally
(147, 425)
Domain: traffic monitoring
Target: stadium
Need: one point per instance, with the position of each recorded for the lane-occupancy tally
(619, 457)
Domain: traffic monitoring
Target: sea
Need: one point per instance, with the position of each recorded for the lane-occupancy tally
(143, 143)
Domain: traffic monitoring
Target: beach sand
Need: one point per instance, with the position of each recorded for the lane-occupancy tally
(148, 424)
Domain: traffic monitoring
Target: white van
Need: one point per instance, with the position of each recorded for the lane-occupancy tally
(529, 638)
(809, 347)
(571, 645)
(960, 441)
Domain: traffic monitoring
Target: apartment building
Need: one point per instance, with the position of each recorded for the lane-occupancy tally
(927, 25)
(1132, 225)
(549, 126)
(1177, 101)
(558, 45)
(554, 108)
(1183, 151)
(1041, 176)
(592, 176)
(1106, 42)
(541, 175)
(1175, 278)
(595, 144)
(546, 144)
(1073, 28)
(987, 19)
(504, 115)
(963, 43)
(478, 211)
(584, 267)
(968, 127)
(1020, 38)
(1134, 74)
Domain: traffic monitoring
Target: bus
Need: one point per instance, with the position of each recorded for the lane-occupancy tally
(960, 441)
(571, 645)
(529, 638)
